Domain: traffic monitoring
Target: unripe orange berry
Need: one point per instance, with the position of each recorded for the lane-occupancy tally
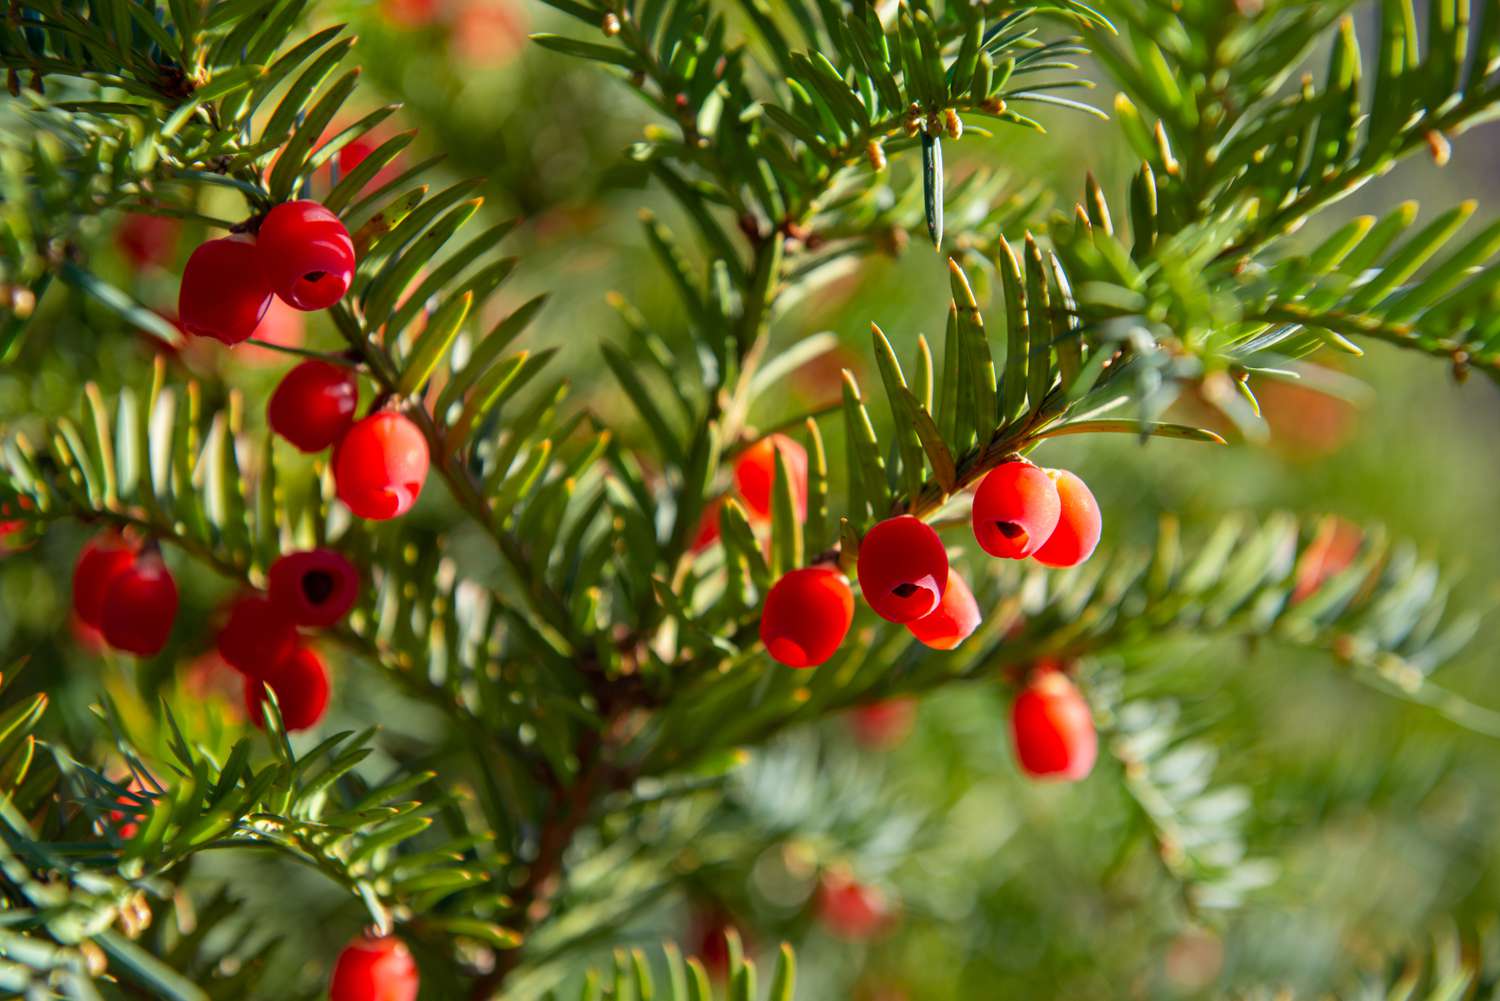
(1015, 510)
(952, 622)
(806, 616)
(903, 569)
(1078, 526)
(1053, 729)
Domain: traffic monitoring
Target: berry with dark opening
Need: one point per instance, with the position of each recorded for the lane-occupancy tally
(374, 969)
(1053, 729)
(224, 291)
(903, 569)
(314, 588)
(256, 635)
(314, 405)
(1015, 510)
(101, 558)
(300, 682)
(806, 616)
(380, 465)
(307, 254)
(755, 475)
(952, 622)
(1078, 524)
(140, 605)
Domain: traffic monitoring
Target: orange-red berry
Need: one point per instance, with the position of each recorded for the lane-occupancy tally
(755, 474)
(1053, 729)
(224, 291)
(300, 682)
(1015, 510)
(314, 588)
(851, 910)
(307, 254)
(140, 605)
(99, 561)
(256, 635)
(1078, 525)
(380, 465)
(953, 621)
(314, 405)
(903, 569)
(806, 616)
(880, 726)
(374, 969)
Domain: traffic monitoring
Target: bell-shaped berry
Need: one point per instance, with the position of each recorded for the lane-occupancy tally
(140, 605)
(1015, 510)
(952, 622)
(903, 569)
(256, 635)
(1053, 729)
(307, 254)
(806, 616)
(300, 682)
(314, 405)
(224, 291)
(380, 465)
(1078, 524)
(374, 969)
(314, 588)
(755, 475)
(98, 562)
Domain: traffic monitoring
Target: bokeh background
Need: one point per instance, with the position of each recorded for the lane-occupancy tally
(1377, 819)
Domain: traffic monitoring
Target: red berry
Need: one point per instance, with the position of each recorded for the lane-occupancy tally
(755, 474)
(140, 605)
(1053, 728)
(374, 969)
(98, 562)
(224, 291)
(256, 636)
(806, 617)
(880, 726)
(1329, 554)
(307, 253)
(708, 526)
(127, 823)
(852, 910)
(955, 618)
(315, 588)
(903, 569)
(1078, 526)
(1015, 510)
(300, 682)
(147, 240)
(380, 465)
(314, 405)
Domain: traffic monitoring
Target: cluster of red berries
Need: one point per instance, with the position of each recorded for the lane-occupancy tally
(1019, 511)
(260, 637)
(301, 253)
(125, 594)
(374, 969)
(379, 462)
